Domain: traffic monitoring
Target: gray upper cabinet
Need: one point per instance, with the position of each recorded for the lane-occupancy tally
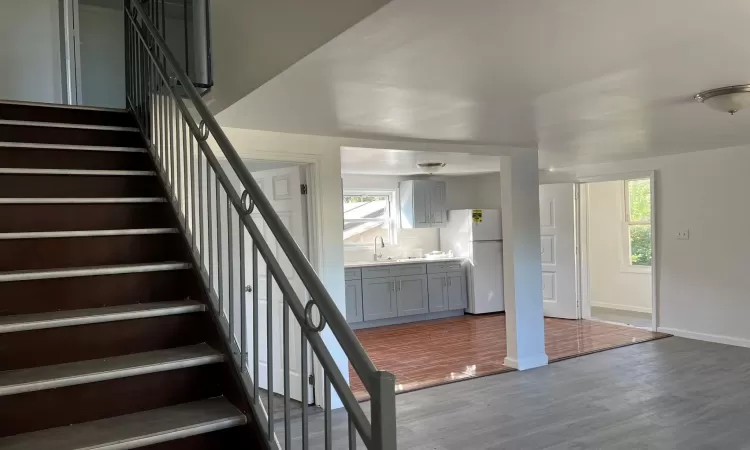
(436, 284)
(438, 214)
(456, 290)
(379, 298)
(411, 294)
(354, 301)
(422, 204)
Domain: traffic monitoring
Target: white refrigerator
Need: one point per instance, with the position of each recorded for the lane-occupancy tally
(477, 235)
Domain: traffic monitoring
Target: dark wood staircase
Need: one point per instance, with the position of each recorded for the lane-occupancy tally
(106, 337)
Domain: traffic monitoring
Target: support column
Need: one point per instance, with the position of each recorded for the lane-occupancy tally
(524, 307)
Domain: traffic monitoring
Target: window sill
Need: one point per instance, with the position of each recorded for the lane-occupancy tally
(636, 269)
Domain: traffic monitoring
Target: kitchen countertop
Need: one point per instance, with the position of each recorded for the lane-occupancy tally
(392, 262)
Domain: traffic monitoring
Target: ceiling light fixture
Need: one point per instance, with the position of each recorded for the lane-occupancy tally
(431, 167)
(726, 99)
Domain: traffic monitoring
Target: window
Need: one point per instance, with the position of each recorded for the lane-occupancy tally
(638, 222)
(368, 215)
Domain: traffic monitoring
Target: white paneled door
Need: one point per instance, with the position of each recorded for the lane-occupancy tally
(282, 187)
(557, 217)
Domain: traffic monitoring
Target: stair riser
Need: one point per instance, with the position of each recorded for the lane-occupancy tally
(78, 186)
(30, 158)
(29, 218)
(69, 136)
(65, 115)
(62, 294)
(24, 254)
(77, 343)
(39, 410)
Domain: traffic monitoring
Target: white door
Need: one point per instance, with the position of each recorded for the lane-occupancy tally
(282, 187)
(557, 217)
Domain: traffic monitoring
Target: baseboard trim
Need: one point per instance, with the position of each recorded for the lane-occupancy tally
(527, 363)
(406, 319)
(637, 309)
(717, 338)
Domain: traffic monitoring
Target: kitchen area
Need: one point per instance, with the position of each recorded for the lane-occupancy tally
(424, 264)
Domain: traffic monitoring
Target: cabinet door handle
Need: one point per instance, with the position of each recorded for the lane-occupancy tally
(393, 288)
(449, 282)
(443, 281)
(399, 285)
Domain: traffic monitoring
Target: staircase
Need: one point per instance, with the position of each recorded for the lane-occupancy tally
(106, 337)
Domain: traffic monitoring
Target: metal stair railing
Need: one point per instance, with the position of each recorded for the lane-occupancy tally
(219, 223)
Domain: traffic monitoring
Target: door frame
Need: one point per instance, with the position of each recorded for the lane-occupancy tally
(582, 235)
(70, 52)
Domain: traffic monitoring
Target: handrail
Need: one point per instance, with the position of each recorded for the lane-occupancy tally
(328, 309)
(381, 434)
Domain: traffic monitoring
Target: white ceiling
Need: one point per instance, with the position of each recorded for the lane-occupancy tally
(375, 161)
(582, 80)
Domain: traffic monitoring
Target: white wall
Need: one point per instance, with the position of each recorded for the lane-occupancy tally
(612, 284)
(702, 283)
(102, 56)
(30, 67)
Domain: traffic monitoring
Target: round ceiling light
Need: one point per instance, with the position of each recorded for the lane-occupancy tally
(431, 167)
(728, 99)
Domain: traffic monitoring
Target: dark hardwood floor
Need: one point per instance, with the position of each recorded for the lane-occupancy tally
(443, 351)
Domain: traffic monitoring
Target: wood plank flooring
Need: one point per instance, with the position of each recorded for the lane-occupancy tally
(431, 353)
(669, 394)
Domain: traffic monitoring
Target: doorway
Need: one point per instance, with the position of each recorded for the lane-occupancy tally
(598, 247)
(617, 251)
(281, 182)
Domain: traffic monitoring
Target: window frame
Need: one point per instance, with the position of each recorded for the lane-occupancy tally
(627, 262)
(392, 215)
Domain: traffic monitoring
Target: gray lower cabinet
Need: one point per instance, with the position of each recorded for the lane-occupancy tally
(436, 292)
(447, 291)
(456, 290)
(354, 301)
(379, 298)
(411, 295)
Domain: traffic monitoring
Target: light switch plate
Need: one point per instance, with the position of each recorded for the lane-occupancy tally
(683, 235)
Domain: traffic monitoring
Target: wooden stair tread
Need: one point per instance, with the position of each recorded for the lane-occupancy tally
(95, 370)
(46, 274)
(56, 319)
(134, 430)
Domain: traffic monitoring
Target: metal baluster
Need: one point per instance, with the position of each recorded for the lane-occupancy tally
(287, 384)
(193, 214)
(327, 411)
(352, 436)
(185, 169)
(256, 337)
(169, 147)
(231, 272)
(305, 390)
(243, 300)
(269, 345)
(383, 407)
(210, 242)
(219, 259)
(199, 155)
(178, 162)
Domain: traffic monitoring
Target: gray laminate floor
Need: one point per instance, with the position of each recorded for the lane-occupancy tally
(672, 393)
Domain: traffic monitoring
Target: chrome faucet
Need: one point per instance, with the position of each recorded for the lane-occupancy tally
(375, 255)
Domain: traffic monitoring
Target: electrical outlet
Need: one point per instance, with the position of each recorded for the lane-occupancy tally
(683, 235)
